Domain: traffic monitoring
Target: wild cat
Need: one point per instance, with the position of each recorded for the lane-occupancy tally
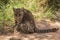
(24, 21)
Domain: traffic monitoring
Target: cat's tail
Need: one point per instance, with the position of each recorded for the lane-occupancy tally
(46, 30)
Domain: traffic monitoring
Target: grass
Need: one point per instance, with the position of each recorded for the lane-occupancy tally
(35, 6)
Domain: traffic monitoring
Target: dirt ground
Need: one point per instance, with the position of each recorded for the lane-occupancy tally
(36, 36)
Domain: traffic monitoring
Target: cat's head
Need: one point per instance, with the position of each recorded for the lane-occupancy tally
(18, 11)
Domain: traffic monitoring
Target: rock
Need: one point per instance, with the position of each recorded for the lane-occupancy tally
(15, 39)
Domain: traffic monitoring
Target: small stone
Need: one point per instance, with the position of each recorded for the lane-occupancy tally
(37, 39)
(15, 39)
(25, 39)
(45, 39)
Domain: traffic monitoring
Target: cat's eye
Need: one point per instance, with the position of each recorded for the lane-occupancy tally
(19, 14)
(15, 14)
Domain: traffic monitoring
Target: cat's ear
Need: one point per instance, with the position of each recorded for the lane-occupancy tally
(14, 9)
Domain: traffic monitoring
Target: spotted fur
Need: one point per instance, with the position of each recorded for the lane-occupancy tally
(24, 21)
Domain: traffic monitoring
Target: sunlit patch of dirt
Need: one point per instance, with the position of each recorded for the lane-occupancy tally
(36, 36)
